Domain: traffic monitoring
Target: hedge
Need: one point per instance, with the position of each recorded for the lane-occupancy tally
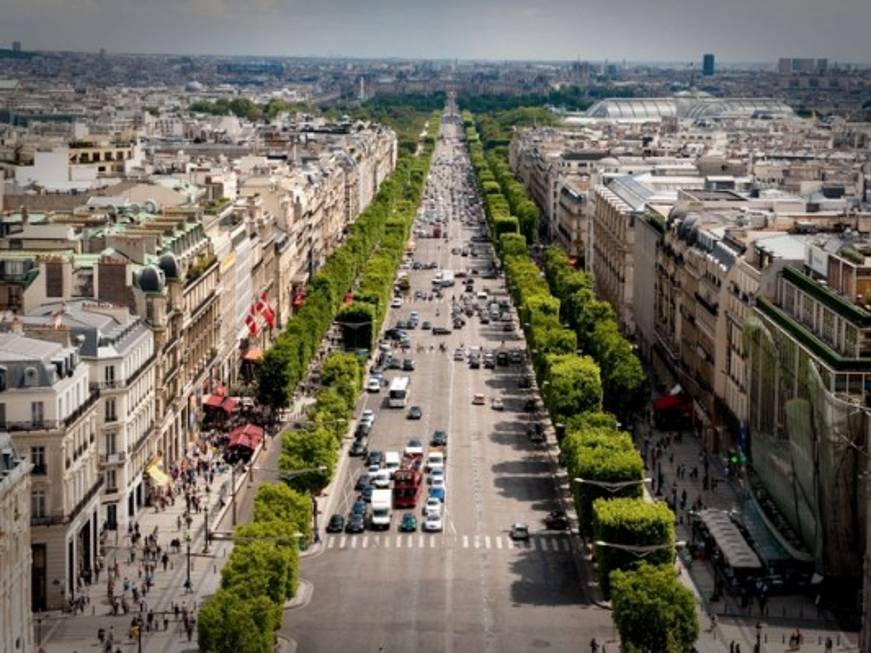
(632, 522)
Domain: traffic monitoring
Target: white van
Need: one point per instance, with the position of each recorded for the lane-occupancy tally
(391, 461)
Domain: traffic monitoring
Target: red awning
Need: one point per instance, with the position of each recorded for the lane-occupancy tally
(248, 436)
(229, 404)
(253, 355)
(213, 401)
(667, 402)
(221, 390)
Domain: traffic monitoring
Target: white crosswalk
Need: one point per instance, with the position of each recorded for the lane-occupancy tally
(541, 543)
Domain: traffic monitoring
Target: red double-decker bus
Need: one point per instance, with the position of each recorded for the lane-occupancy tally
(406, 487)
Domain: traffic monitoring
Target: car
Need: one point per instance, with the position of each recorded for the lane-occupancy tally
(437, 493)
(414, 447)
(415, 412)
(530, 406)
(436, 476)
(441, 331)
(432, 504)
(519, 532)
(393, 334)
(515, 356)
(497, 404)
(433, 523)
(381, 480)
(459, 355)
(356, 524)
(439, 439)
(502, 358)
(426, 326)
(366, 494)
(372, 470)
(508, 327)
(474, 363)
(408, 523)
(524, 383)
(557, 520)
(478, 399)
(367, 417)
(336, 524)
(402, 325)
(535, 433)
(483, 319)
(396, 302)
(359, 447)
(359, 508)
(362, 481)
(414, 315)
(394, 363)
(459, 323)
(373, 385)
(408, 365)
(374, 457)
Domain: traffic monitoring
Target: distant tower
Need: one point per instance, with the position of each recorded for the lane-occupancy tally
(102, 52)
(362, 93)
(708, 65)
(16, 46)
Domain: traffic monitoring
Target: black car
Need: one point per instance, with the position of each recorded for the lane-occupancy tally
(439, 439)
(356, 524)
(524, 383)
(408, 365)
(535, 433)
(374, 457)
(502, 358)
(401, 325)
(366, 494)
(363, 430)
(394, 334)
(441, 331)
(508, 327)
(363, 480)
(394, 363)
(359, 447)
(415, 412)
(516, 356)
(474, 363)
(336, 524)
(557, 520)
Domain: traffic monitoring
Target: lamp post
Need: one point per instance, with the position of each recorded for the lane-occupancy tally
(187, 584)
(758, 647)
(206, 547)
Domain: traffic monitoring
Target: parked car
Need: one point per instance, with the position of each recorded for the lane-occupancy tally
(356, 524)
(415, 412)
(336, 524)
(478, 400)
(359, 447)
(439, 439)
(557, 520)
(408, 523)
(497, 404)
(519, 531)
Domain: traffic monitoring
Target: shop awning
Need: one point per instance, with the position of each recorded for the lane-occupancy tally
(253, 355)
(248, 436)
(157, 475)
(736, 551)
(667, 402)
(213, 401)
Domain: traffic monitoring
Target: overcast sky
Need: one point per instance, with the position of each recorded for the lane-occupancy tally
(734, 30)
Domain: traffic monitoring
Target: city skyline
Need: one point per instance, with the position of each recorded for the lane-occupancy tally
(544, 30)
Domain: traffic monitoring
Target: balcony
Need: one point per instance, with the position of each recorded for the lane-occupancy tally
(117, 458)
(121, 383)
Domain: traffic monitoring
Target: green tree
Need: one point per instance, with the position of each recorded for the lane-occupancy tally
(572, 385)
(631, 522)
(274, 378)
(277, 501)
(623, 377)
(309, 449)
(262, 569)
(228, 623)
(653, 612)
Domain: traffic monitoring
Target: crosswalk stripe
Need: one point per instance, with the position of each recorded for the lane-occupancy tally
(342, 542)
(421, 541)
(486, 541)
(331, 542)
(465, 541)
(398, 541)
(365, 541)
(477, 541)
(498, 542)
(353, 542)
(387, 541)
(511, 544)
(431, 542)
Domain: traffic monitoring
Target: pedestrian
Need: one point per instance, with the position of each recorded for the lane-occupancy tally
(737, 648)
(594, 646)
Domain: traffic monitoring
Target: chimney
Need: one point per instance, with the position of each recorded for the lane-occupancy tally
(25, 216)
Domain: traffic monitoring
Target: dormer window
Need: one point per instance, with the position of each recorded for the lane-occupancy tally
(30, 377)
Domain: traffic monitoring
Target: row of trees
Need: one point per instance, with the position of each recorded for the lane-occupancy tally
(245, 108)
(286, 362)
(559, 310)
(593, 320)
(261, 573)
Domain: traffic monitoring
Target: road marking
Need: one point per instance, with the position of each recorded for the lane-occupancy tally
(477, 542)
(365, 541)
(387, 541)
(498, 542)
(342, 542)
(353, 542)
(398, 541)
(432, 542)
(331, 542)
(421, 541)
(465, 541)
(487, 542)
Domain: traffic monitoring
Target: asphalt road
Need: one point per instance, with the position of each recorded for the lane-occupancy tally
(469, 588)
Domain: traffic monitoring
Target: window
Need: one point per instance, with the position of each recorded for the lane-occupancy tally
(37, 457)
(111, 415)
(807, 311)
(2, 378)
(111, 443)
(30, 376)
(110, 375)
(828, 326)
(38, 507)
(111, 481)
(37, 413)
(2, 415)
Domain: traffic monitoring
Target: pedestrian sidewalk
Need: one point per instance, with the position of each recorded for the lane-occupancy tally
(783, 614)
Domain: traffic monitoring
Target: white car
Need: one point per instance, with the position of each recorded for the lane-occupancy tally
(373, 385)
(396, 302)
(497, 404)
(459, 355)
(414, 448)
(372, 471)
(381, 479)
(433, 523)
(368, 416)
(435, 460)
(432, 505)
(438, 481)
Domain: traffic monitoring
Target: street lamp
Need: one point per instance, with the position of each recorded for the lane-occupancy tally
(612, 487)
(641, 550)
(758, 647)
(187, 584)
(208, 501)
